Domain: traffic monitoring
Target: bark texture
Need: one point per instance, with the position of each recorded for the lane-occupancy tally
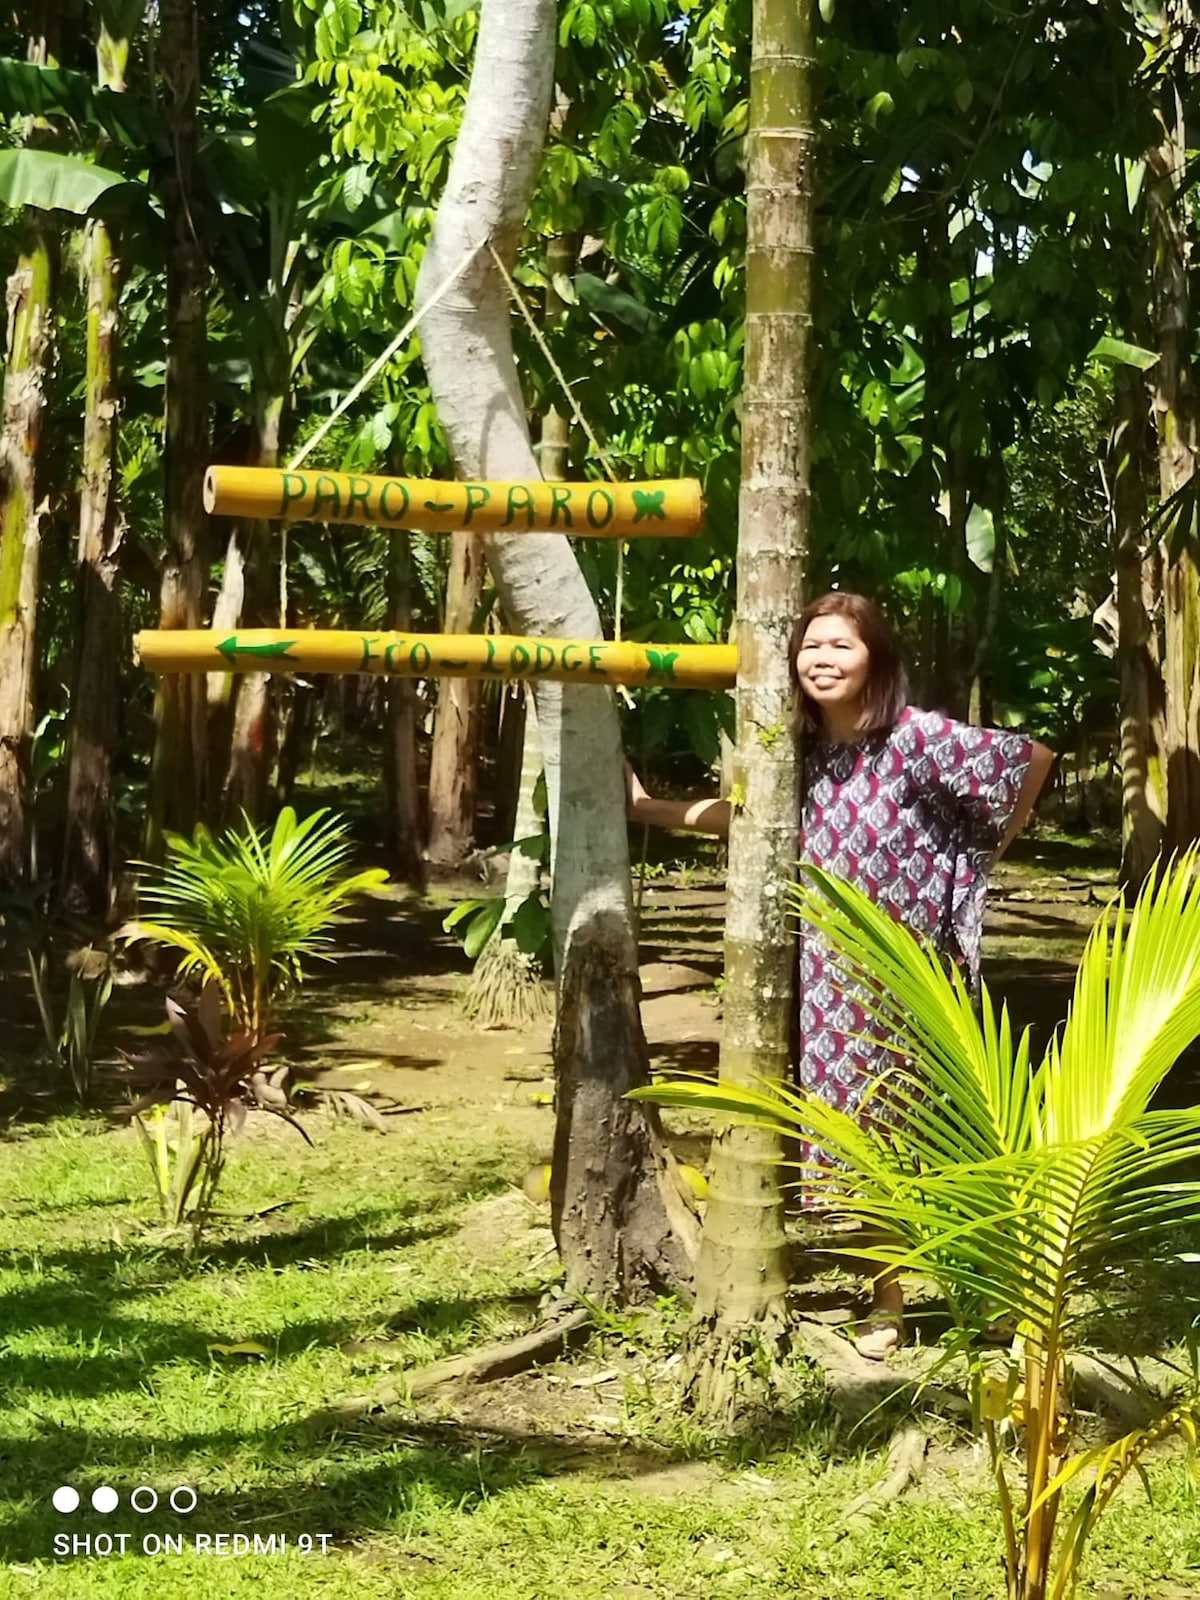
(1175, 417)
(29, 354)
(741, 1279)
(612, 1190)
(241, 709)
(87, 848)
(178, 777)
(505, 988)
(401, 790)
(454, 759)
(1138, 586)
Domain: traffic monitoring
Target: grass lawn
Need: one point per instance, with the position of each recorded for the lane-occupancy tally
(578, 1482)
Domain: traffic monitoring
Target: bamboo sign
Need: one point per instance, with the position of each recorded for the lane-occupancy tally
(438, 655)
(670, 508)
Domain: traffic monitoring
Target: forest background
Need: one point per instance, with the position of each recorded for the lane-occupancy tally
(215, 224)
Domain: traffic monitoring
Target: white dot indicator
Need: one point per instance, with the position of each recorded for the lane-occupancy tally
(65, 1499)
(183, 1499)
(144, 1498)
(105, 1499)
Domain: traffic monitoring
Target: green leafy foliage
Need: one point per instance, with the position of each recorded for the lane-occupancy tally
(55, 182)
(247, 910)
(71, 1040)
(209, 1081)
(1016, 1185)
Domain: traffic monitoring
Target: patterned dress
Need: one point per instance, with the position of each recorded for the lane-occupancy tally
(912, 815)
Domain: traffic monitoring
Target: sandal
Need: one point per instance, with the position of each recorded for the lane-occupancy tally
(879, 1335)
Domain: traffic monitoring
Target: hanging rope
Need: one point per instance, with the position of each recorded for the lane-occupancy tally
(619, 598)
(352, 395)
(518, 300)
(378, 365)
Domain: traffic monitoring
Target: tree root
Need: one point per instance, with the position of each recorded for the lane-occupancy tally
(905, 1463)
(1134, 1397)
(565, 1326)
(732, 1370)
(505, 989)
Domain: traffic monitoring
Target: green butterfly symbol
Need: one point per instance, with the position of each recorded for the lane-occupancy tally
(662, 665)
(649, 503)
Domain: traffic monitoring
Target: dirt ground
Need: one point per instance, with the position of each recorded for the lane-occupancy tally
(385, 1011)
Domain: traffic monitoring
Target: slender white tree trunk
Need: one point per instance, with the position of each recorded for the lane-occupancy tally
(613, 1192)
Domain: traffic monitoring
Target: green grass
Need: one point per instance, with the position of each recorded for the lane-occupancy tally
(108, 1377)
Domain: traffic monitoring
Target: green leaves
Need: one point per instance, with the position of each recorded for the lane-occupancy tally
(614, 305)
(481, 916)
(1119, 352)
(1015, 1186)
(981, 537)
(30, 90)
(55, 182)
(245, 910)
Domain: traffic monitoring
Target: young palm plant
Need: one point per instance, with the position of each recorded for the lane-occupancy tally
(245, 910)
(1017, 1186)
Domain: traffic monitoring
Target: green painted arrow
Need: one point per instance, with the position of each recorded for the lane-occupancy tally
(275, 651)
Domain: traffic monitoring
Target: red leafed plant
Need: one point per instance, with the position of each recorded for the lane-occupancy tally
(209, 1080)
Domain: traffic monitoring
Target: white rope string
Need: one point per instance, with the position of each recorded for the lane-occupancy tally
(518, 300)
(352, 395)
(378, 365)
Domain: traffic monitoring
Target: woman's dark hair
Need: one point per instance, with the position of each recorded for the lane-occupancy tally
(886, 692)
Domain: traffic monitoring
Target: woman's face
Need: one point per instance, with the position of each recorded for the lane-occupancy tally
(833, 663)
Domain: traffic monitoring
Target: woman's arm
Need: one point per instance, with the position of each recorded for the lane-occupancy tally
(1040, 763)
(695, 816)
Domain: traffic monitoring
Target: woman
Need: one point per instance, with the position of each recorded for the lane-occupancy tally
(909, 805)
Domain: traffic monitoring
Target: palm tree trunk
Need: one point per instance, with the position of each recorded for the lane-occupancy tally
(178, 773)
(742, 1275)
(87, 864)
(614, 1197)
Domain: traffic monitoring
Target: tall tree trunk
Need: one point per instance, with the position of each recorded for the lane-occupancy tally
(87, 846)
(454, 760)
(506, 986)
(401, 790)
(742, 1275)
(1175, 415)
(178, 773)
(247, 598)
(29, 355)
(1139, 656)
(561, 261)
(614, 1194)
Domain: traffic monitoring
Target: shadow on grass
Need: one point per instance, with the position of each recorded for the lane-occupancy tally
(344, 1477)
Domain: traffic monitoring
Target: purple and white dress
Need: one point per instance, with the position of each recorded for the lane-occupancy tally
(912, 815)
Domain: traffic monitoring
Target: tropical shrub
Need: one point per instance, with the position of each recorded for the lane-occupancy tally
(1017, 1186)
(194, 1089)
(246, 910)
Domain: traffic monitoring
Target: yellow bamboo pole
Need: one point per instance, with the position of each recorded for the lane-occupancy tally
(669, 508)
(437, 655)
